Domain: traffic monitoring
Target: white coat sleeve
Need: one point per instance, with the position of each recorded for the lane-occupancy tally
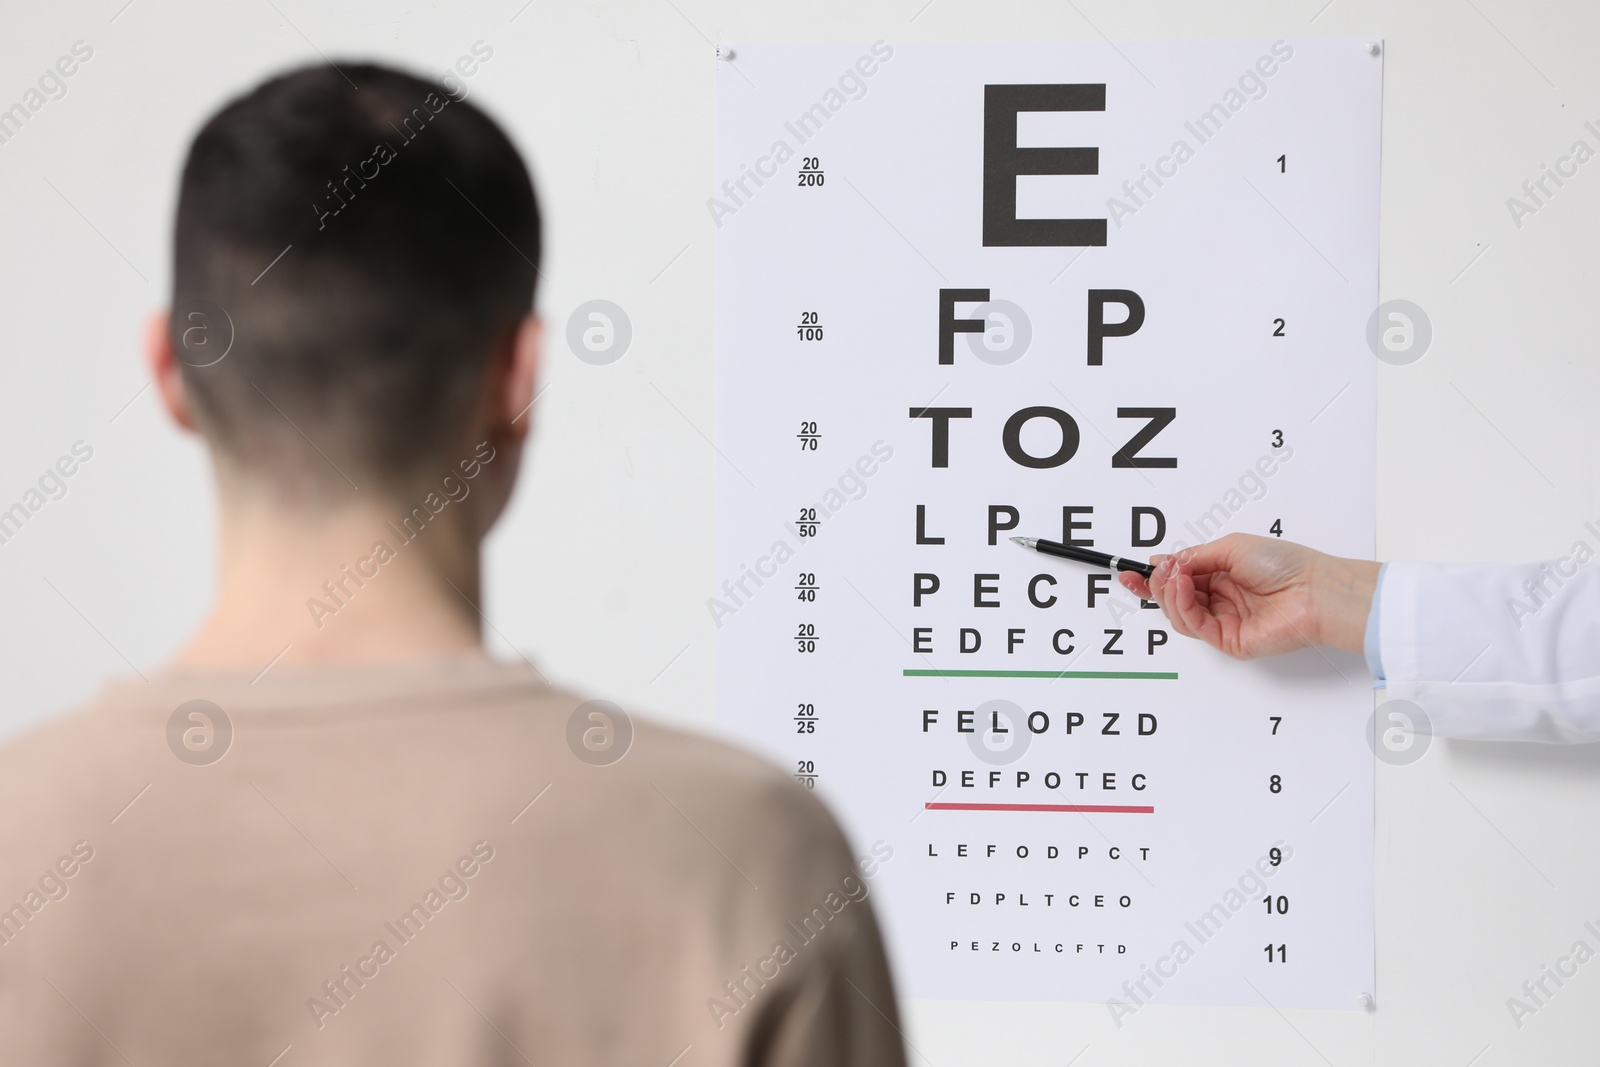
(1492, 651)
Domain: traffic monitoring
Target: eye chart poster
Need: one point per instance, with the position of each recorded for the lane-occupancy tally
(1111, 295)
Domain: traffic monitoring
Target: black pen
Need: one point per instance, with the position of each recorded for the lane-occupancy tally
(1084, 555)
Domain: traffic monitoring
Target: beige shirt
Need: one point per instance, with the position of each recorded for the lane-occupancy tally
(412, 866)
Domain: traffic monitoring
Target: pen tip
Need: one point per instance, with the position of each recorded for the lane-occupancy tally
(1025, 542)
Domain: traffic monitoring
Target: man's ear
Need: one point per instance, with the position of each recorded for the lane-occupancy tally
(165, 371)
(511, 402)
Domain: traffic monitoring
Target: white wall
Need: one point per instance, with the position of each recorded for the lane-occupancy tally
(1486, 860)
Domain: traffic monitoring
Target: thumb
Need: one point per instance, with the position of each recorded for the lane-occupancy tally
(1203, 559)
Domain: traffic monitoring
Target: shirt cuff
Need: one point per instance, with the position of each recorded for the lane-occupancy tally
(1371, 645)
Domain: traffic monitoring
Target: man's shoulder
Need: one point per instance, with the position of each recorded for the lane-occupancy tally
(60, 778)
(772, 833)
(709, 770)
(51, 748)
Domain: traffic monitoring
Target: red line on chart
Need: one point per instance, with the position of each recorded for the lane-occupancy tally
(1131, 809)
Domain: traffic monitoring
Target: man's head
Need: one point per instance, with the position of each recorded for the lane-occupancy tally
(365, 254)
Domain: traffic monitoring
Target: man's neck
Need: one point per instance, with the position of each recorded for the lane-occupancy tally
(365, 583)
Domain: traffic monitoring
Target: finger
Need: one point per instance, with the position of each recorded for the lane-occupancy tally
(1156, 583)
(1139, 584)
(1179, 627)
(1186, 605)
(1161, 593)
(1212, 556)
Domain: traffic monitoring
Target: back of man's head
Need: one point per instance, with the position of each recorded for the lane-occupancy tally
(372, 244)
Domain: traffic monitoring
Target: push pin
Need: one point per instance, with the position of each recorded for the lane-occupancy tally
(725, 53)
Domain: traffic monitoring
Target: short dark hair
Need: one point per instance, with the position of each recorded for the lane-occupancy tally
(412, 239)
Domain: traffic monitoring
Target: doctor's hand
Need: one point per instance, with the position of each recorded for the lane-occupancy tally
(1254, 596)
